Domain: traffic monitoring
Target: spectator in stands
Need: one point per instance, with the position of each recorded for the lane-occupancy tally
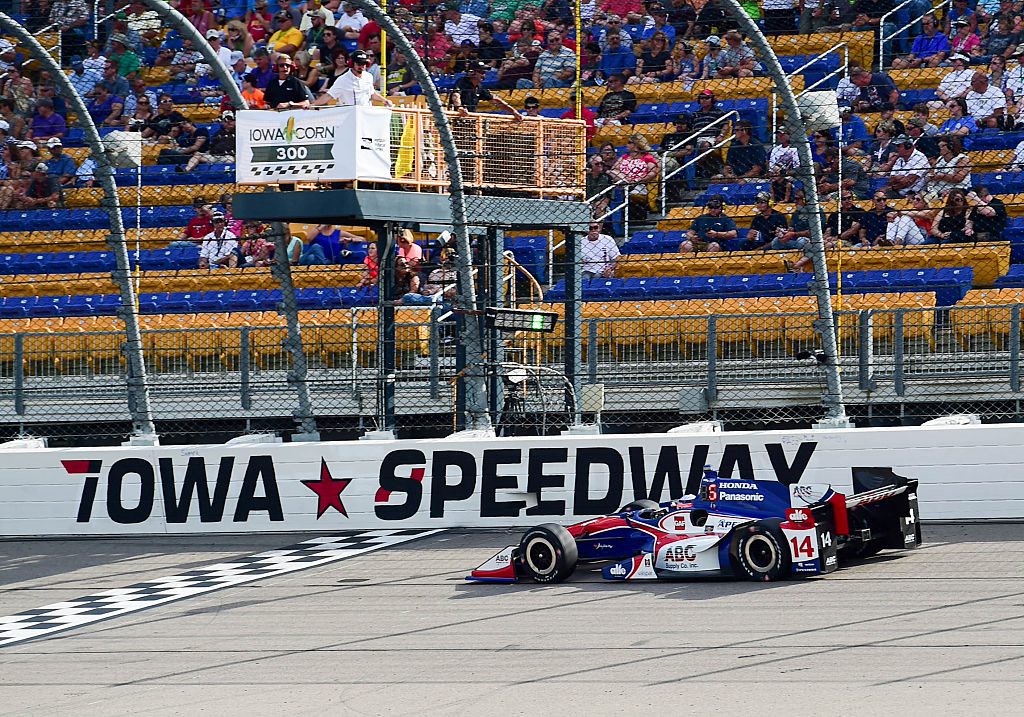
(957, 83)
(766, 225)
(617, 104)
(166, 120)
(285, 92)
(987, 104)
(555, 67)
(105, 108)
(222, 148)
(219, 249)
(799, 232)
(15, 122)
(407, 281)
(960, 122)
(964, 40)
(468, 93)
(922, 112)
(258, 25)
(876, 88)
(961, 19)
(305, 72)
(928, 146)
(709, 230)
(287, 40)
(883, 154)
(843, 225)
(19, 89)
(612, 29)
(71, 18)
(854, 133)
(955, 223)
(930, 48)
(678, 147)
(371, 268)
(738, 59)
(264, 71)
(746, 158)
(199, 225)
(42, 190)
(441, 284)
(200, 18)
(46, 123)
(333, 242)
(684, 63)
(223, 52)
(780, 17)
(704, 120)
(713, 60)
(531, 107)
(598, 181)
(60, 165)
(922, 214)
(616, 60)
(238, 38)
(139, 90)
(409, 250)
(873, 223)
(900, 230)
(887, 113)
(183, 64)
(81, 80)
(655, 64)
(598, 254)
(314, 26)
(639, 169)
(1001, 40)
(307, 254)
(847, 92)
(952, 168)
(252, 94)
(854, 179)
(143, 20)
(519, 65)
(489, 49)
(989, 215)
(315, 9)
(910, 172)
(255, 249)
(187, 140)
(122, 53)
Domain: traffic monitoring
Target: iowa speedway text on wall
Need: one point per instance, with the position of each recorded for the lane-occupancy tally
(966, 472)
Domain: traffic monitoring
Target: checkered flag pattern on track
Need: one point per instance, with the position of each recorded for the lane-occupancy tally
(106, 604)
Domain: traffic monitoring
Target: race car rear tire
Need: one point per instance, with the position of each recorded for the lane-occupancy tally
(759, 551)
(642, 504)
(547, 554)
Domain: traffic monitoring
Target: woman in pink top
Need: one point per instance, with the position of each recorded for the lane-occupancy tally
(409, 250)
(964, 41)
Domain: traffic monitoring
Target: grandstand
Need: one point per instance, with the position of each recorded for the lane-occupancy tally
(670, 336)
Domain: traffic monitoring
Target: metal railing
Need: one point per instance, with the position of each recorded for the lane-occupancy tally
(692, 138)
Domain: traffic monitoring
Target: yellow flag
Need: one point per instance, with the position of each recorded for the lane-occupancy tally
(407, 147)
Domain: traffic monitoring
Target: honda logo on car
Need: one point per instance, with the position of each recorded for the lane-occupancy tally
(734, 485)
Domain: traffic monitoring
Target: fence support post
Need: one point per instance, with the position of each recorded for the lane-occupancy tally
(835, 412)
(143, 430)
(1015, 348)
(573, 322)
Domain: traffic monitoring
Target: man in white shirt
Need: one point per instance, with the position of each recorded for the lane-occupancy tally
(599, 253)
(910, 172)
(351, 22)
(313, 7)
(1015, 77)
(957, 83)
(985, 103)
(460, 26)
(223, 53)
(901, 230)
(219, 246)
(355, 87)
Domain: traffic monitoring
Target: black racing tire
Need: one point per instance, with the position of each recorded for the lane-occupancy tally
(642, 504)
(547, 554)
(759, 551)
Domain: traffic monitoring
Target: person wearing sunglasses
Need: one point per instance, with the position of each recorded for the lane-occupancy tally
(285, 91)
(355, 87)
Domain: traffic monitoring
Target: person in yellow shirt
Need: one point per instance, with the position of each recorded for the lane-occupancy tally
(288, 38)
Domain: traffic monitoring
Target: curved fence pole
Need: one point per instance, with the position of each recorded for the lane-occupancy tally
(186, 29)
(835, 411)
(477, 416)
(138, 389)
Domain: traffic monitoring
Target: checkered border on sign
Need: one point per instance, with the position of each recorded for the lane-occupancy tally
(317, 168)
(105, 604)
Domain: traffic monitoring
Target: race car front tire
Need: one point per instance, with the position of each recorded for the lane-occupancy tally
(547, 554)
(759, 551)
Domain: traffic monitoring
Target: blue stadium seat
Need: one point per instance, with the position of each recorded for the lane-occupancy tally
(326, 298)
(178, 302)
(637, 287)
(212, 301)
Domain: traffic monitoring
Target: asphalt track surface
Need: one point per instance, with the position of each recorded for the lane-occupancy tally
(936, 631)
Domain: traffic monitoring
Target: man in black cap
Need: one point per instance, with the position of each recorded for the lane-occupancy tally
(355, 87)
(709, 230)
(467, 94)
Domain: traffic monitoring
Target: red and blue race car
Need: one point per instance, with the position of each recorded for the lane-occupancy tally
(753, 529)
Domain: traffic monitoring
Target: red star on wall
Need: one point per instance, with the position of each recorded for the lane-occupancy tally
(328, 491)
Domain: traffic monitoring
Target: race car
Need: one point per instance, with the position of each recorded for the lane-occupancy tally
(754, 529)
